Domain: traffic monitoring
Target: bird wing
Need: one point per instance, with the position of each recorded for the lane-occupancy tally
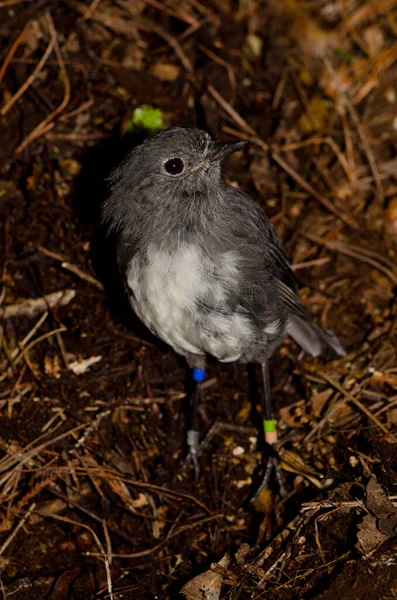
(312, 338)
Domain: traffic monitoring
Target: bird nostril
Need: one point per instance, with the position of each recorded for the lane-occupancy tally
(204, 164)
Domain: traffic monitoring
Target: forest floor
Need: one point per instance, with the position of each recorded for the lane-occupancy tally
(95, 501)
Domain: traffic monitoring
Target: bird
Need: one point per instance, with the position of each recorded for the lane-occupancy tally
(202, 264)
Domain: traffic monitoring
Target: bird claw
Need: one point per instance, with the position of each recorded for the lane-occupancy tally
(192, 439)
(272, 466)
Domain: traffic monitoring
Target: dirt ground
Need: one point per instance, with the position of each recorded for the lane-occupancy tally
(95, 499)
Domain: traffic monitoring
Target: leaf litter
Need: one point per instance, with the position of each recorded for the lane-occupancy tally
(94, 498)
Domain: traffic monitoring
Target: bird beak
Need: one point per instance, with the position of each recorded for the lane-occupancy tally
(223, 149)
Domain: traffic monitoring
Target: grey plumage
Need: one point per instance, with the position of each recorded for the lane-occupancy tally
(202, 264)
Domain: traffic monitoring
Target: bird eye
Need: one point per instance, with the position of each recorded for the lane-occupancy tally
(174, 166)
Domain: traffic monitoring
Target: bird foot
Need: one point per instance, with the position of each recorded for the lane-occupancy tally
(193, 445)
(272, 469)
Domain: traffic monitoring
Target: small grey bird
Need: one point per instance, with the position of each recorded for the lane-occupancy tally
(202, 264)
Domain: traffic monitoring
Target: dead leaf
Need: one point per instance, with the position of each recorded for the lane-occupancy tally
(162, 512)
(392, 416)
(292, 415)
(206, 586)
(121, 490)
(31, 180)
(242, 553)
(72, 44)
(379, 526)
(134, 56)
(115, 20)
(316, 116)
(140, 502)
(32, 37)
(391, 217)
(374, 38)
(165, 71)
(384, 510)
(63, 584)
(52, 366)
(292, 462)
(62, 188)
(253, 46)
(264, 502)
(52, 507)
(377, 500)
(369, 537)
(313, 40)
(319, 400)
(69, 168)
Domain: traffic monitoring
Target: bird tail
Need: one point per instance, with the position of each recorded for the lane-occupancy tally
(313, 339)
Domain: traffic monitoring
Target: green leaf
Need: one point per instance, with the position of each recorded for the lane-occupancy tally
(145, 117)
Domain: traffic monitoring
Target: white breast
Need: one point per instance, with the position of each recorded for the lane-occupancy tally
(167, 289)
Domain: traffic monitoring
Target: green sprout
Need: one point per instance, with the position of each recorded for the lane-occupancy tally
(146, 118)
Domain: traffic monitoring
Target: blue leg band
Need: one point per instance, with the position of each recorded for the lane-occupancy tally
(199, 375)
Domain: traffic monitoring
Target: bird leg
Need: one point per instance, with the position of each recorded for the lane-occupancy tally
(270, 438)
(193, 436)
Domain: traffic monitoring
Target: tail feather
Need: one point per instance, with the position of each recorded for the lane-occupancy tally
(313, 339)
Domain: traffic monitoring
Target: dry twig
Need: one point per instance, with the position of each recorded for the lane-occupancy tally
(360, 406)
(17, 528)
(367, 256)
(49, 122)
(306, 186)
(34, 306)
(31, 77)
(13, 49)
(102, 552)
(72, 268)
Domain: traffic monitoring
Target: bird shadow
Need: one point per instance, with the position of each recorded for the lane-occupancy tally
(97, 163)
